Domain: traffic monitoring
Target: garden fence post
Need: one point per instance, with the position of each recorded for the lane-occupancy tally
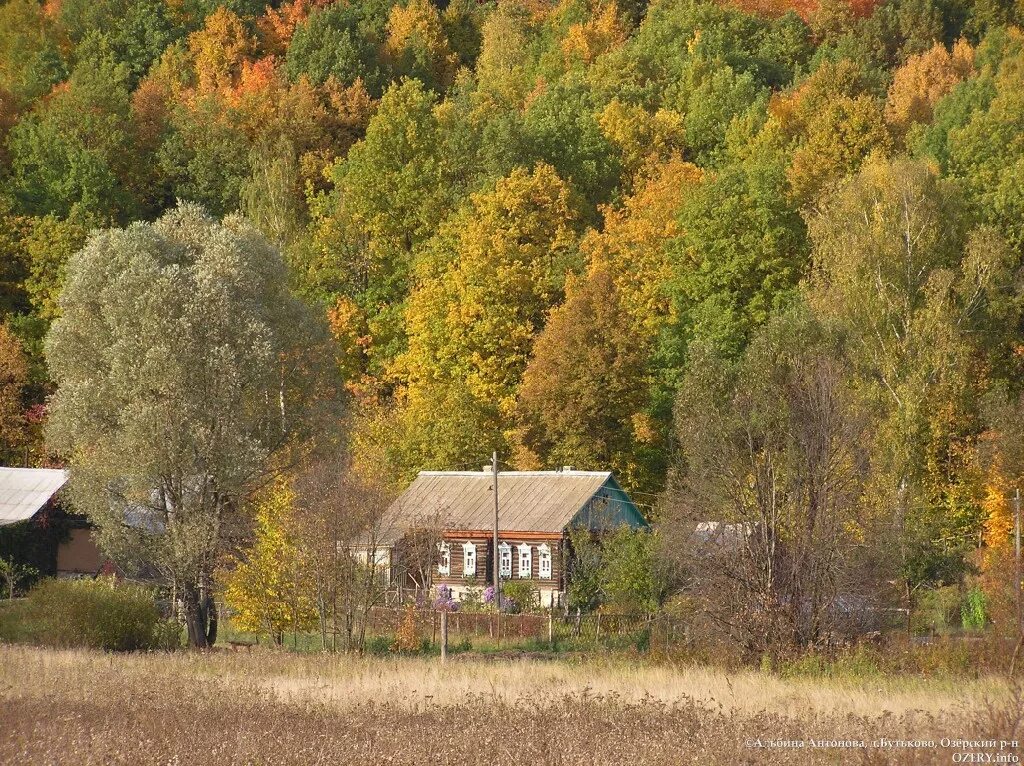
(444, 637)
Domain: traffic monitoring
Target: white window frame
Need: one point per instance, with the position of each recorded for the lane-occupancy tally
(468, 559)
(504, 560)
(544, 561)
(444, 563)
(525, 561)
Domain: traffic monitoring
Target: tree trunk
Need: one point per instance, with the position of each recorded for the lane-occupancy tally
(211, 622)
(195, 619)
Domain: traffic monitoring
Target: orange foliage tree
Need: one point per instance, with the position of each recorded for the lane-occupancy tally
(918, 85)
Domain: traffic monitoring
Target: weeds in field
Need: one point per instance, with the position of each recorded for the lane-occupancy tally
(274, 707)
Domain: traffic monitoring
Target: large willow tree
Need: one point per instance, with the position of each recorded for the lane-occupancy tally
(183, 364)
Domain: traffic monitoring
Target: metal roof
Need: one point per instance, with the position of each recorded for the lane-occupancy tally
(23, 491)
(528, 501)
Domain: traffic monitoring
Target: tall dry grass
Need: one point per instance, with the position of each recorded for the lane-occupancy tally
(91, 708)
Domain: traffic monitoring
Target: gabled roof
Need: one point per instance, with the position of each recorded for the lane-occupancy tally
(23, 491)
(528, 501)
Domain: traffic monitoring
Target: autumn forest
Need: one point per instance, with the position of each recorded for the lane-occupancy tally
(728, 250)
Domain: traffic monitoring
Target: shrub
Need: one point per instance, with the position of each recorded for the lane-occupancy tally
(408, 637)
(472, 600)
(379, 645)
(521, 595)
(973, 612)
(98, 614)
(936, 611)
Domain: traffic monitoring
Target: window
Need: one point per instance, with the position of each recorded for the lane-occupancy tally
(468, 560)
(504, 560)
(444, 560)
(525, 561)
(544, 562)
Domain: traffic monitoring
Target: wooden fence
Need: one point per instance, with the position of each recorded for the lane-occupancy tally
(546, 626)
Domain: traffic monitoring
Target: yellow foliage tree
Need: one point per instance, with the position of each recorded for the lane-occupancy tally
(604, 31)
(998, 513)
(482, 291)
(502, 65)
(486, 283)
(277, 25)
(644, 138)
(264, 587)
(839, 139)
(219, 50)
(417, 45)
(834, 123)
(633, 240)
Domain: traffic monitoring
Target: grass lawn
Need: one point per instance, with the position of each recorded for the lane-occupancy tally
(270, 707)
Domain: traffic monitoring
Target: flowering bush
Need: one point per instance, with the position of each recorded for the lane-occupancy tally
(445, 602)
(507, 604)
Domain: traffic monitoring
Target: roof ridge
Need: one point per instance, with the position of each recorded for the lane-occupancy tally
(516, 473)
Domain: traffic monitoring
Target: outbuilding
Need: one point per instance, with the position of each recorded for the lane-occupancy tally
(53, 541)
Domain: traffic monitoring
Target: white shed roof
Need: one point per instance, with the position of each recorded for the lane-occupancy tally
(23, 491)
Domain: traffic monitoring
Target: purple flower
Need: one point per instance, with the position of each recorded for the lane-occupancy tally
(507, 604)
(444, 601)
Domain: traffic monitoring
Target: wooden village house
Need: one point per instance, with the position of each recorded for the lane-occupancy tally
(536, 511)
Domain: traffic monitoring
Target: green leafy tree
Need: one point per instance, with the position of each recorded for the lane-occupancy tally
(13, 380)
(561, 128)
(205, 157)
(182, 364)
(136, 32)
(391, 193)
(341, 41)
(985, 153)
(632, 577)
(584, 570)
(741, 251)
(71, 153)
(49, 246)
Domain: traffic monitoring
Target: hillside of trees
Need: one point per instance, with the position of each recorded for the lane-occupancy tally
(760, 258)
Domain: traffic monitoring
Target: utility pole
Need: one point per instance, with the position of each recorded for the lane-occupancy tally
(495, 555)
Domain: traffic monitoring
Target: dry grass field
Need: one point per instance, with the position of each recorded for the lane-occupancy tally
(81, 707)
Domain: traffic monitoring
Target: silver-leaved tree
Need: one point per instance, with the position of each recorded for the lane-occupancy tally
(184, 367)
